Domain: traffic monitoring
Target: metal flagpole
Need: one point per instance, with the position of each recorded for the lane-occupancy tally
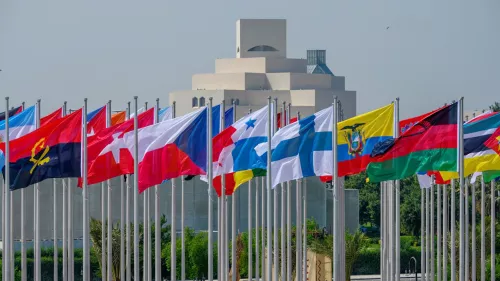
(38, 262)
(466, 229)
(7, 238)
(223, 212)
(183, 242)
(71, 241)
(268, 191)
(493, 221)
(304, 226)
(438, 268)
(298, 226)
(210, 176)
(110, 222)
(122, 227)
(283, 210)
(428, 234)
(398, 199)
(64, 224)
(335, 185)
(461, 267)
(473, 228)
(147, 237)
(289, 216)
(391, 229)
(233, 221)
(250, 269)
(136, 193)
(263, 229)
(158, 218)
(422, 233)
(275, 205)
(173, 221)
(23, 233)
(128, 252)
(453, 221)
(103, 233)
(433, 231)
(383, 246)
(483, 230)
(257, 246)
(86, 242)
(445, 233)
(56, 250)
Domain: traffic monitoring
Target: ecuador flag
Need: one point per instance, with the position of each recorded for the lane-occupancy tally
(53, 151)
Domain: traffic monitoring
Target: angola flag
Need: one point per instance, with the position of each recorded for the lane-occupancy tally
(429, 145)
(53, 151)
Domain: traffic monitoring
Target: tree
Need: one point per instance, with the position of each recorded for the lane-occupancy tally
(495, 107)
(369, 198)
(410, 206)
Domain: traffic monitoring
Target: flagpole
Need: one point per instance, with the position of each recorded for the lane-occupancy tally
(233, 221)
(283, 210)
(64, 223)
(289, 216)
(210, 176)
(56, 254)
(122, 228)
(304, 233)
(257, 246)
(128, 252)
(466, 229)
(263, 229)
(110, 219)
(462, 191)
(422, 233)
(158, 219)
(335, 183)
(473, 228)
(398, 199)
(438, 215)
(382, 232)
(103, 232)
(7, 238)
(223, 202)
(147, 229)
(269, 185)
(38, 262)
(483, 230)
(136, 194)
(445, 233)
(298, 232)
(250, 269)
(428, 234)
(453, 221)
(86, 245)
(71, 249)
(23, 232)
(183, 240)
(432, 232)
(275, 205)
(493, 237)
(173, 234)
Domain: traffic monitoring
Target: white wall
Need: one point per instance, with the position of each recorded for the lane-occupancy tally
(255, 32)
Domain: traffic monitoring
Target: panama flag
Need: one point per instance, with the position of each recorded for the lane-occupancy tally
(234, 155)
(302, 149)
(172, 148)
(107, 154)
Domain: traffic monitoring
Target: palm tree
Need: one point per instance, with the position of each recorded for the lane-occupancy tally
(495, 107)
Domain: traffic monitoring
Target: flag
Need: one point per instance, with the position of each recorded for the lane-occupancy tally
(424, 180)
(406, 124)
(165, 114)
(356, 138)
(301, 149)
(139, 111)
(14, 111)
(107, 154)
(216, 119)
(53, 151)
(20, 124)
(118, 118)
(481, 116)
(488, 176)
(96, 120)
(171, 149)
(234, 155)
(430, 145)
(57, 114)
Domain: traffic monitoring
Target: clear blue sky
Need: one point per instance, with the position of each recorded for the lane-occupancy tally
(432, 53)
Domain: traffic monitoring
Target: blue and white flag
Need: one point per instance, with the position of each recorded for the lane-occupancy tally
(165, 114)
(301, 149)
(19, 125)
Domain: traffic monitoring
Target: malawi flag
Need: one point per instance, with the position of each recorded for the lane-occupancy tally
(53, 151)
(429, 145)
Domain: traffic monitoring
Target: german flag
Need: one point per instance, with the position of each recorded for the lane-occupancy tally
(53, 151)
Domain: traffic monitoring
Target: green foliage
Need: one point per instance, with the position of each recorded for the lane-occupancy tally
(495, 107)
(369, 198)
